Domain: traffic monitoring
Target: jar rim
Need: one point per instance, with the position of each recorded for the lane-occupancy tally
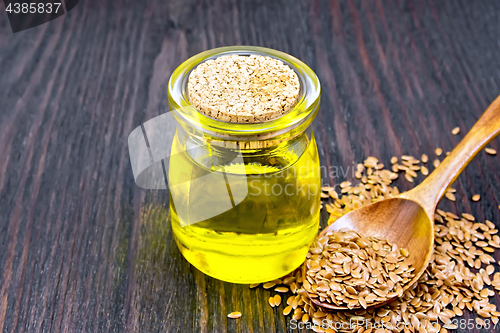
(301, 114)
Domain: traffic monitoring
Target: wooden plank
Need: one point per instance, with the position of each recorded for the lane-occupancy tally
(82, 249)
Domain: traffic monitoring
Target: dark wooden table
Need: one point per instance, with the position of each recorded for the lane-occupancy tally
(83, 249)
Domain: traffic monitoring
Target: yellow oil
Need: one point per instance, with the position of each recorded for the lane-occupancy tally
(265, 235)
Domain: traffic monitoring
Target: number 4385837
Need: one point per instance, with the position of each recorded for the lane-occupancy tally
(33, 8)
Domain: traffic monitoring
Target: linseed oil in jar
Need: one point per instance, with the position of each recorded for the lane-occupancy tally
(244, 174)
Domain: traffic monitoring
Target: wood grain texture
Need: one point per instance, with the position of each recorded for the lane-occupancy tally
(432, 189)
(82, 249)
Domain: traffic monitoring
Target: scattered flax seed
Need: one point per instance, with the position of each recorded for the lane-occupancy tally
(476, 197)
(277, 300)
(455, 131)
(394, 160)
(424, 158)
(271, 302)
(254, 285)
(269, 285)
(402, 168)
(453, 283)
(424, 170)
(234, 315)
(411, 173)
(281, 289)
(450, 196)
(436, 163)
(438, 151)
(239, 88)
(490, 151)
(409, 178)
(469, 217)
(345, 184)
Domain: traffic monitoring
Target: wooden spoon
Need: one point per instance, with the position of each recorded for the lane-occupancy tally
(407, 219)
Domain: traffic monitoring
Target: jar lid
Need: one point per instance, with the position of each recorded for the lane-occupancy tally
(243, 89)
(297, 118)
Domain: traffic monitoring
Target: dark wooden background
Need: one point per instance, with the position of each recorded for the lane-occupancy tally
(83, 249)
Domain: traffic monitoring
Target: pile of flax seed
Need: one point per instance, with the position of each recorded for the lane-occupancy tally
(461, 274)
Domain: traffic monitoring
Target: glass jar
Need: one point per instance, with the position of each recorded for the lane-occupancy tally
(244, 197)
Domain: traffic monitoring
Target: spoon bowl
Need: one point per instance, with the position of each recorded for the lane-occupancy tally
(407, 220)
(398, 220)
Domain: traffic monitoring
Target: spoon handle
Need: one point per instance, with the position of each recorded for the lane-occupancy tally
(432, 189)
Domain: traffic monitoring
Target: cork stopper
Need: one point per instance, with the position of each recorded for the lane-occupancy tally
(243, 89)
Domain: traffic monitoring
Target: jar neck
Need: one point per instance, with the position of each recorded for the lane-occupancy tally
(243, 140)
(216, 156)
